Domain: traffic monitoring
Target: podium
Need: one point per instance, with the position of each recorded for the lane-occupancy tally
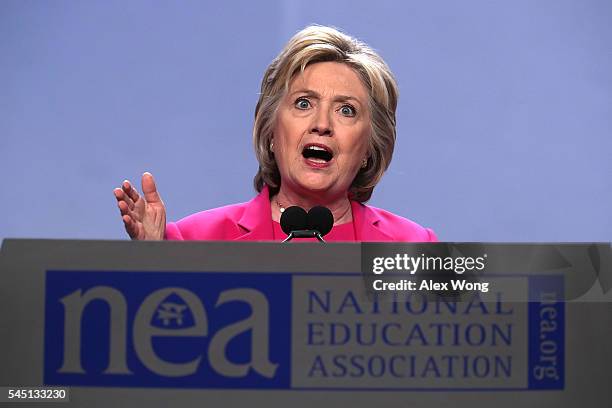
(208, 323)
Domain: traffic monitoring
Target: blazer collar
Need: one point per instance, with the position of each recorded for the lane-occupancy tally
(256, 220)
(366, 223)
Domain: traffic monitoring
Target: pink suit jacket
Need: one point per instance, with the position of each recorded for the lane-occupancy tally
(252, 221)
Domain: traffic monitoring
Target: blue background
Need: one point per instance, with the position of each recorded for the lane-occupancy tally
(504, 121)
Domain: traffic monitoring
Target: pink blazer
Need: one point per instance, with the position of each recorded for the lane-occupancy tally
(252, 221)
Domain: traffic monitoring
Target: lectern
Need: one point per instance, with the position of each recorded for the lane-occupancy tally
(206, 324)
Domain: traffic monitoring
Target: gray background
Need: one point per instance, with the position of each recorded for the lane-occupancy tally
(503, 124)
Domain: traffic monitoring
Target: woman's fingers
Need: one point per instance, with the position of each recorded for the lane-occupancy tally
(122, 196)
(149, 189)
(123, 208)
(131, 226)
(118, 194)
(130, 191)
(143, 218)
(127, 193)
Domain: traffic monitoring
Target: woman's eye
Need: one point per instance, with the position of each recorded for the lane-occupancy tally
(347, 110)
(302, 103)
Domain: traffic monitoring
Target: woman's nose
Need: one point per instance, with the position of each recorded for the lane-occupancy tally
(322, 124)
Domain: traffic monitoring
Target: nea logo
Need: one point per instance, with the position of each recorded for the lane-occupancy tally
(167, 329)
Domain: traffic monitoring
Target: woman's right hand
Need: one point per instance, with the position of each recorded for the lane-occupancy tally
(144, 217)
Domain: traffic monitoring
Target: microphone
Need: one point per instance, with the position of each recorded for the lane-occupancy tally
(293, 219)
(320, 219)
(296, 223)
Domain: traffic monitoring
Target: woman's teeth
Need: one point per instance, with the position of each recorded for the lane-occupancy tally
(317, 160)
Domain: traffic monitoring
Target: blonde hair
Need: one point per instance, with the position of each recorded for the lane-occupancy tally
(322, 44)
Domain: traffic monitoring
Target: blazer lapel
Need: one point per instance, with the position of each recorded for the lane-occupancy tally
(366, 223)
(256, 220)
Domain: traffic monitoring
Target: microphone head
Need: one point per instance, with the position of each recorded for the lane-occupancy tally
(293, 219)
(320, 219)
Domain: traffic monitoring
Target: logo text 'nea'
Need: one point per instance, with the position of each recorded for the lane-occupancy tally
(157, 307)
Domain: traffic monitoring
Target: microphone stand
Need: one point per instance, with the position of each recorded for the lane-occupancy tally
(304, 234)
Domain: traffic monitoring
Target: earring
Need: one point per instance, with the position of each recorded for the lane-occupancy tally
(364, 163)
(272, 146)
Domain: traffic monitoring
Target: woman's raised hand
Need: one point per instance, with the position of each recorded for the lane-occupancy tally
(144, 217)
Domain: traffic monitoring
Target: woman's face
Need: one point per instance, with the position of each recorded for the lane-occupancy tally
(322, 130)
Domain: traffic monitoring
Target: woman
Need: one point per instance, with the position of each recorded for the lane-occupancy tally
(324, 134)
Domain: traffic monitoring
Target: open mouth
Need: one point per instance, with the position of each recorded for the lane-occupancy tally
(317, 153)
